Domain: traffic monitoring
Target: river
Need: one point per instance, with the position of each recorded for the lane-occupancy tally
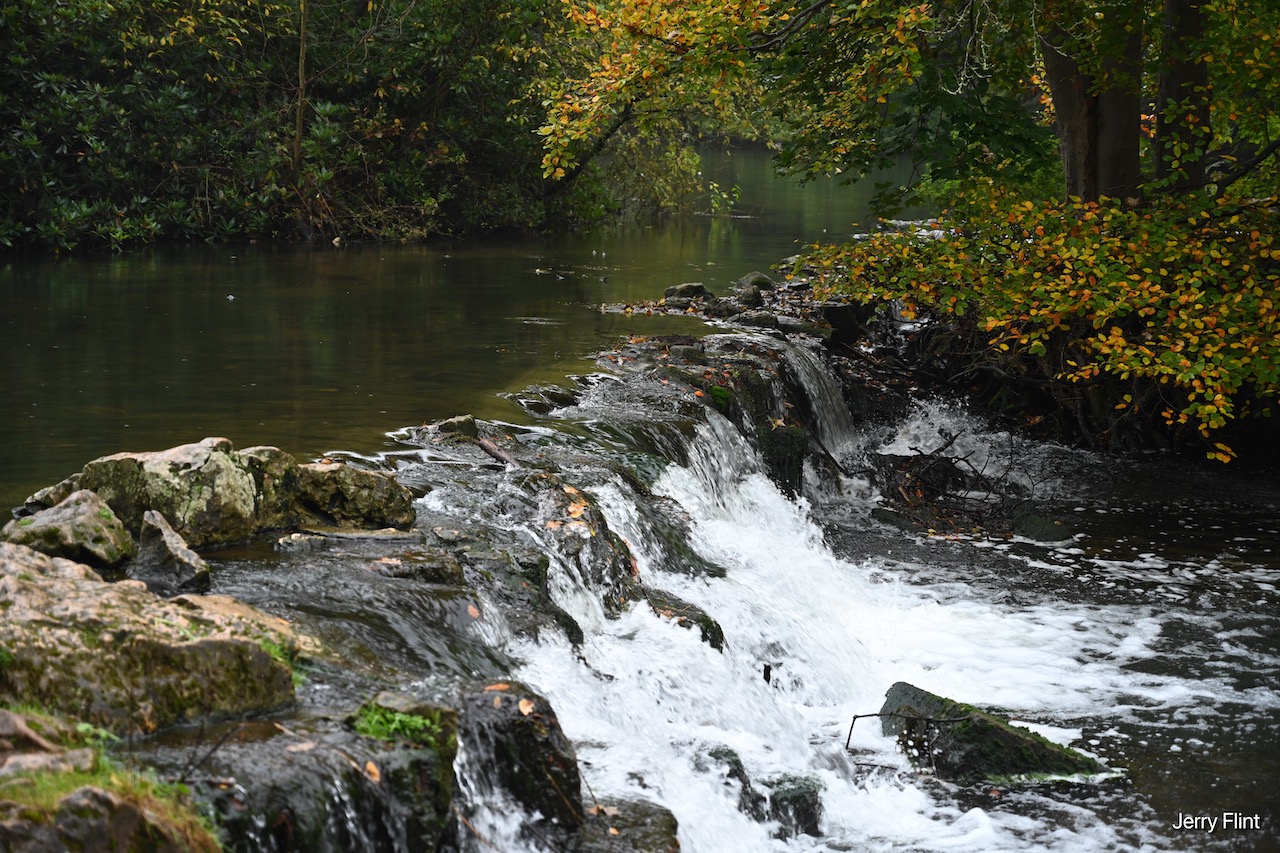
(317, 349)
(1147, 633)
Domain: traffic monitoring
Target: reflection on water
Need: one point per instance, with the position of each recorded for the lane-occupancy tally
(327, 348)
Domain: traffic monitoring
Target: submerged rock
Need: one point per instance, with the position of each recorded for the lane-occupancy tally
(686, 615)
(80, 527)
(963, 744)
(795, 802)
(116, 656)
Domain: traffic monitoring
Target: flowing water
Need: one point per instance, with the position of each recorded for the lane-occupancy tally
(1145, 631)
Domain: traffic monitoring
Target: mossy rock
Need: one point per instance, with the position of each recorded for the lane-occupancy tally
(686, 615)
(421, 771)
(628, 826)
(117, 656)
(81, 527)
(964, 744)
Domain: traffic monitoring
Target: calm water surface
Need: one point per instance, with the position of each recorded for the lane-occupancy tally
(321, 349)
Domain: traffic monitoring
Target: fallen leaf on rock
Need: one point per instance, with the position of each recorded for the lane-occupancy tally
(554, 525)
(390, 561)
(473, 611)
(497, 701)
(570, 490)
(611, 811)
(526, 706)
(501, 685)
(613, 831)
(576, 509)
(371, 770)
(300, 747)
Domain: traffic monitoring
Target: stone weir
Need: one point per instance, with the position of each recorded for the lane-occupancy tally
(320, 651)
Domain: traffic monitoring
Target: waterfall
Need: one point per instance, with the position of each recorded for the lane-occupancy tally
(834, 426)
(812, 640)
(635, 491)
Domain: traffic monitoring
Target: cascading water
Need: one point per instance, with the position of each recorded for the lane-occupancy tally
(813, 639)
(609, 549)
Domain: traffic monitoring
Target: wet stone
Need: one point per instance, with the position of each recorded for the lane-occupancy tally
(81, 527)
(164, 562)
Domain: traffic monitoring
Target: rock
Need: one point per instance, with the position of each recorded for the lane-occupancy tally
(757, 279)
(338, 494)
(749, 295)
(94, 819)
(514, 731)
(164, 562)
(117, 656)
(629, 826)
(295, 542)
(686, 615)
(432, 566)
(688, 290)
(795, 802)
(421, 770)
(461, 424)
(756, 319)
(200, 488)
(722, 307)
(80, 527)
(212, 494)
(962, 744)
(848, 322)
(750, 801)
(275, 478)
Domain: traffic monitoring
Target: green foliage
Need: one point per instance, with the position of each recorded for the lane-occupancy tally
(382, 723)
(133, 121)
(1169, 308)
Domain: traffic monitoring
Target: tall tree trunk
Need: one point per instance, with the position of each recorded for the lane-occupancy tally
(1075, 111)
(1182, 108)
(1120, 117)
(1098, 118)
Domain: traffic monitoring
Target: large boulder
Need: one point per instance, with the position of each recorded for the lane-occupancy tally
(963, 744)
(200, 488)
(119, 657)
(80, 527)
(212, 494)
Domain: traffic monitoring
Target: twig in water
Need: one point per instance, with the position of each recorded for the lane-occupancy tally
(911, 717)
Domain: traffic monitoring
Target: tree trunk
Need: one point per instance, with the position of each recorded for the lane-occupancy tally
(1120, 119)
(1098, 121)
(1075, 111)
(1182, 108)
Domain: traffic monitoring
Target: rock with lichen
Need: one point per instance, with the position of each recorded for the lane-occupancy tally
(117, 656)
